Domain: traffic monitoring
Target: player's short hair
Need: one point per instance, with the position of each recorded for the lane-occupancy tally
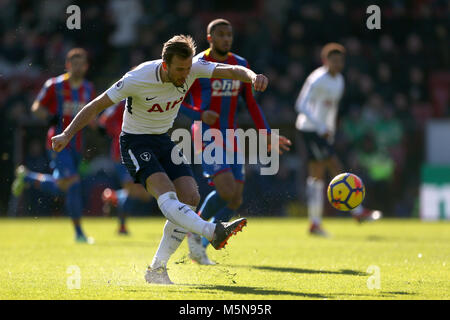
(180, 45)
(215, 23)
(76, 53)
(331, 48)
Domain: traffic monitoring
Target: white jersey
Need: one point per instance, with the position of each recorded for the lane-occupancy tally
(317, 102)
(152, 105)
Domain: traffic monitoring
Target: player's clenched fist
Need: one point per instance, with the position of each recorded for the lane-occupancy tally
(260, 82)
(59, 142)
(209, 117)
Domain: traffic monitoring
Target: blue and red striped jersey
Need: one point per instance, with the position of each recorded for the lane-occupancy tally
(221, 96)
(65, 102)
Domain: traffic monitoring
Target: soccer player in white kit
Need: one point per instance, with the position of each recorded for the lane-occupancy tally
(317, 107)
(154, 91)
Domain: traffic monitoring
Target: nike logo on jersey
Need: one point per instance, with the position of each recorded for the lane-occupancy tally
(181, 207)
(176, 239)
(178, 231)
(148, 99)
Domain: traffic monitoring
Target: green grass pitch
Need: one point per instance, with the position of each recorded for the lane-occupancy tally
(273, 258)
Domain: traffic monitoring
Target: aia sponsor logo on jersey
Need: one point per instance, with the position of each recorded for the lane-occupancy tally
(225, 87)
(169, 106)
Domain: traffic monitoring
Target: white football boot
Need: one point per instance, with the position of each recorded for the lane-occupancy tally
(157, 276)
(196, 250)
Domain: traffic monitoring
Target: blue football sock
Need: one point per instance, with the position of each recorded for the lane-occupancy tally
(78, 230)
(129, 205)
(205, 242)
(74, 201)
(43, 182)
(122, 196)
(123, 205)
(211, 205)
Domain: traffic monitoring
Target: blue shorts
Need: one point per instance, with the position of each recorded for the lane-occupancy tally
(65, 163)
(213, 169)
(145, 154)
(122, 173)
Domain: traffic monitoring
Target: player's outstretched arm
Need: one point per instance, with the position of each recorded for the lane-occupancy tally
(83, 118)
(39, 111)
(225, 71)
(283, 144)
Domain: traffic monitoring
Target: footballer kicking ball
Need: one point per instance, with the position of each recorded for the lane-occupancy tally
(346, 191)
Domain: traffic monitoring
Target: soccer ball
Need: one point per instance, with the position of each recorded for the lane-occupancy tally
(346, 191)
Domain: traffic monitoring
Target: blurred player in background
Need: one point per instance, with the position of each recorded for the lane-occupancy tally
(317, 107)
(58, 102)
(132, 194)
(214, 101)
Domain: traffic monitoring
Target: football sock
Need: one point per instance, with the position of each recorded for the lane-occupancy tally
(172, 237)
(205, 242)
(78, 230)
(212, 203)
(122, 197)
(73, 201)
(320, 198)
(315, 199)
(43, 182)
(74, 206)
(122, 219)
(224, 215)
(182, 215)
(124, 203)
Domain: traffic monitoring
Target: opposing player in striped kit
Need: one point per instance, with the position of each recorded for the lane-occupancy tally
(154, 91)
(215, 102)
(132, 195)
(58, 102)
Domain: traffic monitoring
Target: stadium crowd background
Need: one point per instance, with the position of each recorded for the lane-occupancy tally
(396, 79)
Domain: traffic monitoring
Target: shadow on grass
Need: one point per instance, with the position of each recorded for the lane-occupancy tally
(374, 294)
(305, 271)
(376, 238)
(258, 291)
(219, 289)
(397, 292)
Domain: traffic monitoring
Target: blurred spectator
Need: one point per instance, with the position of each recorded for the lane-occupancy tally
(126, 15)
